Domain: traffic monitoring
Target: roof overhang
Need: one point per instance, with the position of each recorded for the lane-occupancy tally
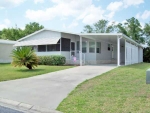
(109, 37)
(42, 41)
(7, 42)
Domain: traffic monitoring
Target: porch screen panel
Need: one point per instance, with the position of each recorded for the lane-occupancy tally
(55, 47)
(65, 44)
(41, 48)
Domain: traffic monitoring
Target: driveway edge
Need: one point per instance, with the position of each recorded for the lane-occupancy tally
(26, 107)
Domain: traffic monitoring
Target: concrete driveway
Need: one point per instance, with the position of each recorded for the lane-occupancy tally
(50, 89)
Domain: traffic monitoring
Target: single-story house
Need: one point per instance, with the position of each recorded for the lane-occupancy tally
(6, 47)
(85, 48)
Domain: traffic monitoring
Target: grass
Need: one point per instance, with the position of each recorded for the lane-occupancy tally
(8, 72)
(122, 90)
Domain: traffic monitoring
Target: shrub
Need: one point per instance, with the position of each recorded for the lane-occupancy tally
(52, 60)
(24, 56)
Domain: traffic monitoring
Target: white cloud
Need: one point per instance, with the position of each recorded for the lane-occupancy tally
(93, 14)
(10, 3)
(88, 12)
(114, 6)
(128, 3)
(5, 24)
(145, 15)
(110, 15)
(7, 21)
(2, 26)
(38, 1)
(73, 25)
(138, 16)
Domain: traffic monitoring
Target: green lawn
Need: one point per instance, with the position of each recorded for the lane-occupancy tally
(8, 72)
(122, 90)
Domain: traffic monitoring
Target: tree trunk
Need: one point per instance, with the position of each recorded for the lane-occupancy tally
(29, 66)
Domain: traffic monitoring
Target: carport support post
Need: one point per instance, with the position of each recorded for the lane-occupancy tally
(80, 51)
(118, 50)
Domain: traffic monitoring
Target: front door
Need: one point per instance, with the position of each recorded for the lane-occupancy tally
(72, 49)
(112, 54)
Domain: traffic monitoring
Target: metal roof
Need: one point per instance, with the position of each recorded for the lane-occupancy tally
(7, 41)
(42, 41)
(86, 34)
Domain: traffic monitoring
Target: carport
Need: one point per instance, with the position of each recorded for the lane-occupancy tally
(116, 48)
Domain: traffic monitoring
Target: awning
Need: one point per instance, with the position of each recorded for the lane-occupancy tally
(42, 41)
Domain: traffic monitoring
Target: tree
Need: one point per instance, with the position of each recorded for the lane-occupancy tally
(147, 33)
(132, 29)
(17, 33)
(24, 56)
(88, 29)
(100, 27)
(11, 33)
(32, 27)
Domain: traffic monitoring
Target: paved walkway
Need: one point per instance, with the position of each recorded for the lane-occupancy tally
(50, 89)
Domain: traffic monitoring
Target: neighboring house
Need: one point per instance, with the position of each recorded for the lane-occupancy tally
(6, 47)
(96, 48)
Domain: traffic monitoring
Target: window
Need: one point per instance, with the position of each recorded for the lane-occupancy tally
(83, 47)
(65, 44)
(41, 48)
(98, 48)
(92, 47)
(55, 47)
(108, 47)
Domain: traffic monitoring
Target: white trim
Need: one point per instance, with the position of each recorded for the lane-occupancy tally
(60, 45)
(80, 51)
(45, 30)
(7, 41)
(85, 34)
(118, 50)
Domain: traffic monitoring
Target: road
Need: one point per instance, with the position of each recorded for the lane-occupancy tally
(8, 110)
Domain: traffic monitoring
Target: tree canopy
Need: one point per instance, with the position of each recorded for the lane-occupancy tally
(17, 33)
(102, 26)
(131, 28)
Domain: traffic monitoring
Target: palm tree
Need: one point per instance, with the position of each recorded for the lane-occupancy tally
(24, 56)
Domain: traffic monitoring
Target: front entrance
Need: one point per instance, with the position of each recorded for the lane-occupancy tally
(112, 53)
(72, 52)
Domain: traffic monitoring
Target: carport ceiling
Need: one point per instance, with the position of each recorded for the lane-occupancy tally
(105, 38)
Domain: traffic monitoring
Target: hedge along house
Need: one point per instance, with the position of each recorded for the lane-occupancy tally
(6, 47)
(85, 48)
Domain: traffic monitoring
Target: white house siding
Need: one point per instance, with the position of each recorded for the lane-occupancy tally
(67, 55)
(90, 58)
(5, 53)
(140, 55)
(44, 35)
(106, 56)
(48, 53)
(132, 53)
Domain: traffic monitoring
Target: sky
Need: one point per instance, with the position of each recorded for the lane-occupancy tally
(71, 15)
